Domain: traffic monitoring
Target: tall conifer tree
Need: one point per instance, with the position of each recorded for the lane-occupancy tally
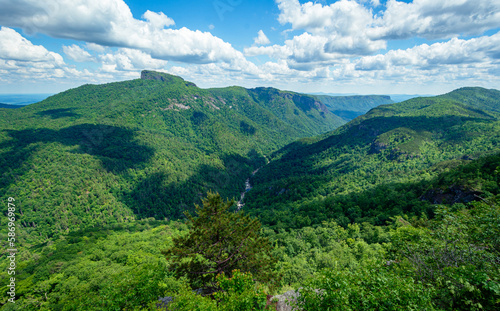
(219, 242)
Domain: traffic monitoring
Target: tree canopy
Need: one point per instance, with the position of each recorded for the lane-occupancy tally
(220, 241)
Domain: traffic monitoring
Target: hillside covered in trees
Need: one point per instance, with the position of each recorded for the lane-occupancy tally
(449, 262)
(151, 147)
(7, 106)
(397, 209)
(350, 107)
(390, 147)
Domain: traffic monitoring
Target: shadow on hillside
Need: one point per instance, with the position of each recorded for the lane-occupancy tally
(116, 148)
(380, 204)
(347, 115)
(300, 156)
(162, 195)
(58, 113)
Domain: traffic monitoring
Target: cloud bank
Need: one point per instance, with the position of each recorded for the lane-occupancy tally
(347, 42)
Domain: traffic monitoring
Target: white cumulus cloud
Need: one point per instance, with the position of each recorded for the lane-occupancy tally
(77, 54)
(436, 19)
(15, 47)
(481, 51)
(158, 20)
(110, 23)
(129, 60)
(350, 28)
(22, 61)
(344, 41)
(261, 38)
(331, 32)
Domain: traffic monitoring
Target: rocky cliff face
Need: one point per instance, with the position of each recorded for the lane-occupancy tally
(308, 103)
(304, 102)
(451, 195)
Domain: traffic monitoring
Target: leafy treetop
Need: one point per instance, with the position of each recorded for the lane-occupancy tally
(219, 242)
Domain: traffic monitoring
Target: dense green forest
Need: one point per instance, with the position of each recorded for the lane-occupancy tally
(397, 209)
(10, 106)
(449, 262)
(151, 147)
(350, 174)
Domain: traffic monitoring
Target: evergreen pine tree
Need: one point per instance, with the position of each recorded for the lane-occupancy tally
(220, 241)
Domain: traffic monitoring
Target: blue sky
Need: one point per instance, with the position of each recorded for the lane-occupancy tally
(346, 46)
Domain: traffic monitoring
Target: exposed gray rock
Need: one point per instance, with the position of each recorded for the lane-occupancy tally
(164, 301)
(286, 300)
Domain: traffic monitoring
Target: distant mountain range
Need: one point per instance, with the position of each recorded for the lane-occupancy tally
(10, 106)
(391, 144)
(347, 106)
(22, 99)
(98, 172)
(150, 147)
(350, 102)
(350, 107)
(394, 97)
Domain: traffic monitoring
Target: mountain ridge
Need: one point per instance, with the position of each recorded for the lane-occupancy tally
(102, 173)
(8, 106)
(350, 107)
(142, 148)
(391, 143)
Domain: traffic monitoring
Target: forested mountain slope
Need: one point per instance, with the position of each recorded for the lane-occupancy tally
(101, 154)
(120, 266)
(86, 164)
(392, 144)
(350, 107)
(7, 106)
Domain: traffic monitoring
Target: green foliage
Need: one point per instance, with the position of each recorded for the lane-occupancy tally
(350, 107)
(117, 267)
(103, 154)
(455, 184)
(220, 241)
(457, 255)
(477, 97)
(372, 288)
(352, 214)
(237, 293)
(383, 163)
(185, 300)
(303, 252)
